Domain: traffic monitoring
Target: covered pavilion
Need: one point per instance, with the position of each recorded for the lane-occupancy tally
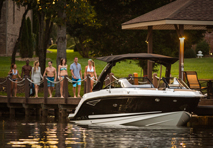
(179, 15)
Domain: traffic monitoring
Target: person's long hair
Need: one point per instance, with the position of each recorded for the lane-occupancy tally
(93, 63)
(34, 65)
(62, 61)
(12, 66)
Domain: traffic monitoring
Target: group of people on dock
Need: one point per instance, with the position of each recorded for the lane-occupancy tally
(51, 73)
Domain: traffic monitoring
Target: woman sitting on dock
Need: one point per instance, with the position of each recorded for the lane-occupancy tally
(36, 77)
(14, 73)
(90, 69)
(62, 71)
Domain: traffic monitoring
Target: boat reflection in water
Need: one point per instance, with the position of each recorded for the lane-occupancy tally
(18, 133)
(123, 103)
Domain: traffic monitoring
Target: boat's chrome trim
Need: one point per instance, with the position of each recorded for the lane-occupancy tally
(121, 115)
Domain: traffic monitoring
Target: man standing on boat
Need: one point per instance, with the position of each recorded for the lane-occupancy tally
(75, 69)
(51, 76)
(26, 69)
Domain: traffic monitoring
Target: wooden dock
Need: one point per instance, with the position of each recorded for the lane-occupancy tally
(41, 105)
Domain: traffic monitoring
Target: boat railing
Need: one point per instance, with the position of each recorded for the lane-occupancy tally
(130, 82)
(173, 83)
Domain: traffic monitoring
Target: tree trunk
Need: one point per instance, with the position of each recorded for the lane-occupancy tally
(43, 38)
(61, 45)
(1, 5)
(13, 59)
(42, 54)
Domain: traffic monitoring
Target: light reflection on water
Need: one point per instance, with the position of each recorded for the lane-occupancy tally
(19, 133)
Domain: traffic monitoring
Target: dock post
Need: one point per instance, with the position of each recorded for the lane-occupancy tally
(107, 81)
(85, 87)
(12, 112)
(63, 113)
(65, 89)
(26, 86)
(44, 112)
(130, 79)
(155, 80)
(45, 90)
(8, 89)
(27, 112)
(38, 111)
(88, 83)
(135, 75)
(56, 112)
(111, 78)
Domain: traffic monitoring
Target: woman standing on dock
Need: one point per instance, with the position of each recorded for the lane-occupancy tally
(14, 73)
(62, 71)
(36, 77)
(90, 69)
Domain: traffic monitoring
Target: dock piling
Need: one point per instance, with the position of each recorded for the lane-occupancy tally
(26, 86)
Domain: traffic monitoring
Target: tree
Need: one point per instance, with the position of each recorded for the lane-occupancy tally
(24, 44)
(68, 11)
(108, 38)
(28, 7)
(30, 39)
(1, 5)
(204, 47)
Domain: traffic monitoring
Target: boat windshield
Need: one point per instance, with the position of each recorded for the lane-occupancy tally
(172, 83)
(132, 82)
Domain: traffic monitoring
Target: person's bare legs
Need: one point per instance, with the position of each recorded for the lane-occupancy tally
(61, 88)
(91, 85)
(49, 91)
(15, 89)
(74, 92)
(36, 91)
(79, 90)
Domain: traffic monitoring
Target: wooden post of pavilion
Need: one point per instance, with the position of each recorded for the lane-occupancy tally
(180, 33)
(149, 50)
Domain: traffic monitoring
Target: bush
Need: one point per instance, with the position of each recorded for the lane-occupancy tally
(189, 53)
(204, 47)
(53, 46)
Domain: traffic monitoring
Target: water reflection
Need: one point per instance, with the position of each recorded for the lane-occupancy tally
(21, 133)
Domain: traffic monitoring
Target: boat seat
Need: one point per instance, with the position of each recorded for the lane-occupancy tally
(192, 80)
(125, 84)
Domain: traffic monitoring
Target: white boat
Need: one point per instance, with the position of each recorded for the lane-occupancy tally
(123, 103)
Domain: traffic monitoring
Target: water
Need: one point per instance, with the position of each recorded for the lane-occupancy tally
(53, 134)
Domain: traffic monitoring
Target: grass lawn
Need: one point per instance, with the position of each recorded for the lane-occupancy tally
(203, 66)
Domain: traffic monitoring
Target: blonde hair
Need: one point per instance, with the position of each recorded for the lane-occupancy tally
(93, 63)
(34, 65)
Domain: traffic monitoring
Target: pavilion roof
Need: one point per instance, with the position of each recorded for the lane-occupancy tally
(193, 14)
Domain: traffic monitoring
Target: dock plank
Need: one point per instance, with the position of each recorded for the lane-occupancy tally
(206, 102)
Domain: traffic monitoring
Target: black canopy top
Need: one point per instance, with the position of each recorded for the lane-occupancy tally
(111, 60)
(161, 59)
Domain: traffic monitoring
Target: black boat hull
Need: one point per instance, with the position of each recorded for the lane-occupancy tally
(134, 104)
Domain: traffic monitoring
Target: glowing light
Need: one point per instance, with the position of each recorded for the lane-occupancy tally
(182, 38)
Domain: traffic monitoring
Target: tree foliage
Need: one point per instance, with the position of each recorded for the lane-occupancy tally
(203, 46)
(107, 37)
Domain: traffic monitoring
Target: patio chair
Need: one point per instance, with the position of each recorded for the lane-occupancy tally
(192, 80)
